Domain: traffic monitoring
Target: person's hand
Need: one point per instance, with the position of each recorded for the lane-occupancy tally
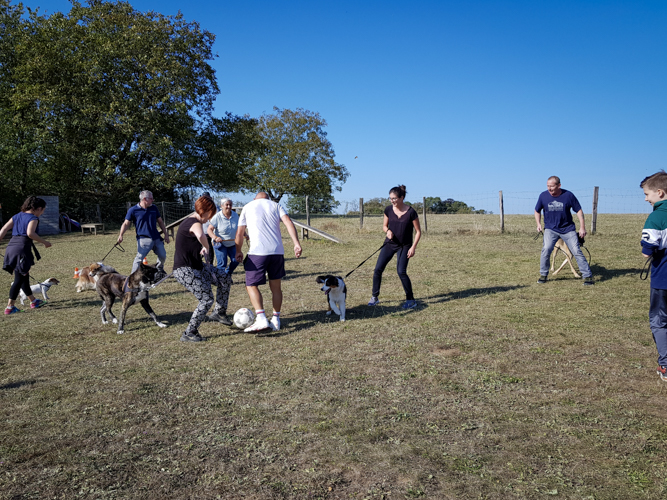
(166, 238)
(297, 250)
(218, 239)
(120, 238)
(582, 232)
(239, 256)
(539, 228)
(411, 252)
(204, 251)
(47, 244)
(390, 235)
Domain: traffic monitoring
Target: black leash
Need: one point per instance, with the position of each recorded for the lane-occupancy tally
(376, 251)
(646, 269)
(116, 245)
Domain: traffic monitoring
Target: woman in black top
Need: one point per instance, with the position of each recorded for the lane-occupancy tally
(197, 277)
(399, 222)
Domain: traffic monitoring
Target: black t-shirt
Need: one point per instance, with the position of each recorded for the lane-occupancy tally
(187, 247)
(402, 227)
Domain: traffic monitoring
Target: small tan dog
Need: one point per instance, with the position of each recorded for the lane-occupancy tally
(88, 282)
(562, 247)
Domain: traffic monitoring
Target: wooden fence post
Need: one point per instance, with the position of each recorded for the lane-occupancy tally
(502, 212)
(99, 214)
(307, 216)
(361, 213)
(164, 215)
(424, 211)
(594, 226)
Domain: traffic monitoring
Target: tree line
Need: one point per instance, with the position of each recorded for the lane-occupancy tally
(104, 101)
(376, 206)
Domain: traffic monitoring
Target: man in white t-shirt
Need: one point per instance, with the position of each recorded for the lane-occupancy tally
(266, 255)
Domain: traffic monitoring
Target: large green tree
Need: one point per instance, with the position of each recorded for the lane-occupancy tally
(323, 205)
(103, 101)
(296, 157)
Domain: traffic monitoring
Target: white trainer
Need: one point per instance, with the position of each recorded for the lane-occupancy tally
(258, 326)
(275, 323)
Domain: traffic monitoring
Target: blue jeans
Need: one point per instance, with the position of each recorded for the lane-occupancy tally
(572, 242)
(221, 255)
(145, 245)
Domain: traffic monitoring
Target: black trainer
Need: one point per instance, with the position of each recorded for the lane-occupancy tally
(192, 337)
(220, 318)
(542, 280)
(589, 281)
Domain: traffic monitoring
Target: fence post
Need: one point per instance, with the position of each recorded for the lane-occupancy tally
(164, 215)
(99, 214)
(361, 213)
(594, 226)
(502, 212)
(424, 211)
(307, 216)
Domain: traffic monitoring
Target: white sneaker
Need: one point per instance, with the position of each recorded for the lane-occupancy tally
(258, 326)
(275, 323)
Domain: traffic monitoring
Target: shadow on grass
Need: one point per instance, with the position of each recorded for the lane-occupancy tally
(470, 292)
(607, 274)
(16, 385)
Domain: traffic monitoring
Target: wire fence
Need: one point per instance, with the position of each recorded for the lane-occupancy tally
(611, 201)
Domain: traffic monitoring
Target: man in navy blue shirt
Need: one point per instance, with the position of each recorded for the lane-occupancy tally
(146, 218)
(557, 204)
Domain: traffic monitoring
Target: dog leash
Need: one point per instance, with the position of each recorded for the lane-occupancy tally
(646, 269)
(581, 245)
(376, 251)
(116, 245)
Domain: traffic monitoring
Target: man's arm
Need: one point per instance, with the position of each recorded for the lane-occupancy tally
(160, 223)
(240, 232)
(292, 233)
(582, 223)
(538, 218)
(123, 228)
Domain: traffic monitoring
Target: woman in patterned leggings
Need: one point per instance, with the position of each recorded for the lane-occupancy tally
(197, 277)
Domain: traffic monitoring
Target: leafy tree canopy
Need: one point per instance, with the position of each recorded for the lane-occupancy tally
(103, 101)
(323, 205)
(296, 157)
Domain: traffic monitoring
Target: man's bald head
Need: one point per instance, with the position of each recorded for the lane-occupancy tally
(262, 196)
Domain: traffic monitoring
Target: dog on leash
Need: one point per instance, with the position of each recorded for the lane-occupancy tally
(336, 292)
(562, 247)
(88, 282)
(129, 289)
(42, 288)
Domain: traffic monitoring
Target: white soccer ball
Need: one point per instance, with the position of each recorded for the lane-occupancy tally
(243, 318)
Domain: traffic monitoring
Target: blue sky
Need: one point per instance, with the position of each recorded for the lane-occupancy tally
(455, 99)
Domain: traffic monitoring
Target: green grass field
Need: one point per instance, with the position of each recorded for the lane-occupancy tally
(495, 387)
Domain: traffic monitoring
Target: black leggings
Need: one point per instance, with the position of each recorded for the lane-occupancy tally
(385, 256)
(21, 282)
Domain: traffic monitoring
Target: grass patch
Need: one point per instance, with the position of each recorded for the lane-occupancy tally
(495, 387)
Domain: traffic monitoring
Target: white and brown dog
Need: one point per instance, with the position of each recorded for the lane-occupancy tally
(42, 288)
(87, 281)
(336, 291)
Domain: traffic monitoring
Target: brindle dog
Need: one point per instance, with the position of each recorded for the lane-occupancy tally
(130, 289)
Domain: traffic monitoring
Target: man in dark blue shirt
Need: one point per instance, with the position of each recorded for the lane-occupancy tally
(557, 204)
(146, 218)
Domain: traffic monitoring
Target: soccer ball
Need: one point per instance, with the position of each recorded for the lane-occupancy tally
(243, 318)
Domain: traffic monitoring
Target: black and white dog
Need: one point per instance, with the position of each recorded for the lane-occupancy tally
(336, 291)
(42, 288)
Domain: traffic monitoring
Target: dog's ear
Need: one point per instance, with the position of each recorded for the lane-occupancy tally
(332, 282)
(320, 279)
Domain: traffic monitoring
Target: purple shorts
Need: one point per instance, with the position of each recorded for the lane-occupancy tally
(258, 266)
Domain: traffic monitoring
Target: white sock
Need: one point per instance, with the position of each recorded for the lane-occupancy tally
(260, 315)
